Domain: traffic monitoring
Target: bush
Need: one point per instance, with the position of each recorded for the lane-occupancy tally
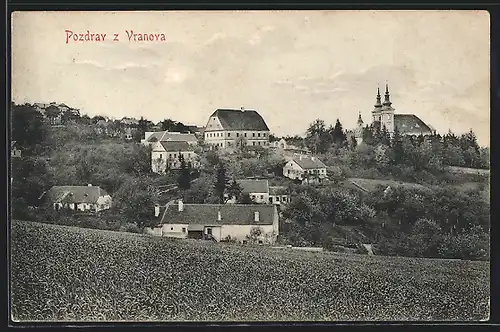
(129, 228)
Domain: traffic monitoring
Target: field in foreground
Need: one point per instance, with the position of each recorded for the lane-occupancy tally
(72, 274)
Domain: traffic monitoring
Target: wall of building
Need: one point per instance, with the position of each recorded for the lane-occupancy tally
(240, 232)
(230, 138)
(172, 158)
(292, 171)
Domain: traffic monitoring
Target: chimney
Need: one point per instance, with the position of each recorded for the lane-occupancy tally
(312, 158)
(90, 185)
(300, 157)
(181, 205)
(256, 216)
(157, 210)
(219, 217)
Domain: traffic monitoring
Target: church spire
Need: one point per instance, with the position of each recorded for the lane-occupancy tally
(387, 101)
(378, 103)
(360, 121)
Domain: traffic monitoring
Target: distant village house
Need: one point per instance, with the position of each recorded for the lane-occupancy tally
(78, 198)
(165, 155)
(15, 152)
(305, 169)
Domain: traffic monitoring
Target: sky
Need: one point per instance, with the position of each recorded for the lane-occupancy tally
(291, 66)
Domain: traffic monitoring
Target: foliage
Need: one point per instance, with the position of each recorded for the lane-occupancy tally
(221, 182)
(184, 179)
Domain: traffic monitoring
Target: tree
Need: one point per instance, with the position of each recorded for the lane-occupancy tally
(354, 143)
(184, 179)
(338, 136)
(234, 190)
(245, 198)
(28, 128)
(138, 161)
(317, 137)
(220, 182)
(168, 125)
(32, 176)
(135, 200)
(368, 137)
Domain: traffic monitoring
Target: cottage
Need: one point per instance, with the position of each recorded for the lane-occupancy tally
(15, 152)
(278, 195)
(166, 155)
(258, 190)
(287, 151)
(219, 222)
(169, 136)
(305, 169)
(78, 198)
(229, 128)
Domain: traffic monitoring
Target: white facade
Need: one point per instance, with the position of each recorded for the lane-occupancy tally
(103, 203)
(161, 159)
(294, 171)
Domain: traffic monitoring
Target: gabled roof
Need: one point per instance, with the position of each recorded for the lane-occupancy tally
(74, 194)
(253, 186)
(411, 124)
(172, 146)
(306, 162)
(12, 144)
(231, 214)
(173, 136)
(240, 119)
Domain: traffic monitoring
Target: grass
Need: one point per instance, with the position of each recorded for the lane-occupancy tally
(372, 184)
(62, 273)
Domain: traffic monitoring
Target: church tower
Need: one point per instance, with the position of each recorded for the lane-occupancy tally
(376, 113)
(387, 113)
(358, 133)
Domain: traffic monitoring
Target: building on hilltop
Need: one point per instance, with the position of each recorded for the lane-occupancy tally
(78, 198)
(169, 136)
(229, 128)
(383, 115)
(306, 169)
(165, 155)
(239, 222)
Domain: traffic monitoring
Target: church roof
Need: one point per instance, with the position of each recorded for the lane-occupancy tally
(411, 124)
(240, 119)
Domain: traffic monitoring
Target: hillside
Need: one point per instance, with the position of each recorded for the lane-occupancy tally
(66, 273)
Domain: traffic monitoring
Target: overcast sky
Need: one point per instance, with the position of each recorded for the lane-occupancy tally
(292, 67)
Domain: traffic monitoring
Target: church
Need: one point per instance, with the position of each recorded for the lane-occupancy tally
(383, 115)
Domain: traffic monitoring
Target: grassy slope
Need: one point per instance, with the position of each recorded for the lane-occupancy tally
(65, 273)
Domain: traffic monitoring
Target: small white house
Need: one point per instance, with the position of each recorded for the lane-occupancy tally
(151, 137)
(78, 198)
(278, 195)
(258, 190)
(219, 222)
(306, 169)
(15, 152)
(166, 155)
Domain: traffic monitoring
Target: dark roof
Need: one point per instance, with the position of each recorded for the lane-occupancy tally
(411, 124)
(206, 214)
(253, 186)
(240, 119)
(173, 146)
(306, 162)
(74, 194)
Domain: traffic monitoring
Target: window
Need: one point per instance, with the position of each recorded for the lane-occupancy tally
(260, 242)
(228, 134)
(209, 231)
(270, 199)
(277, 198)
(171, 228)
(253, 196)
(237, 134)
(183, 229)
(245, 134)
(258, 134)
(288, 171)
(175, 155)
(258, 143)
(253, 134)
(261, 196)
(253, 143)
(161, 156)
(263, 134)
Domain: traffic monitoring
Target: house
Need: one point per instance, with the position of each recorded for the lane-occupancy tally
(165, 155)
(78, 198)
(258, 190)
(15, 152)
(170, 136)
(229, 128)
(278, 195)
(305, 169)
(53, 114)
(219, 222)
(129, 121)
(287, 151)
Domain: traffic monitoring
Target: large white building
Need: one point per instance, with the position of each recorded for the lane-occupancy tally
(229, 128)
(165, 155)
